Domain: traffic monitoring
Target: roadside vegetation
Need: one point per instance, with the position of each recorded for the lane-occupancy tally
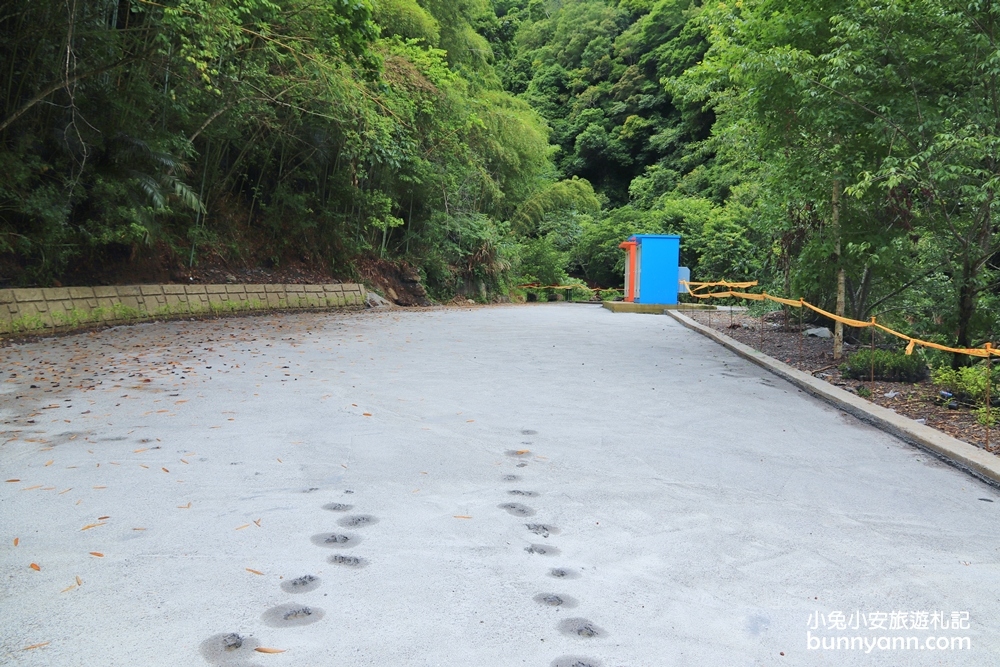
(490, 145)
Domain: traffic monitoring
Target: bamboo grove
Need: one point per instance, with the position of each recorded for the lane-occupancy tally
(800, 144)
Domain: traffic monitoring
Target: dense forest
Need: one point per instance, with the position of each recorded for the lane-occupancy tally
(488, 145)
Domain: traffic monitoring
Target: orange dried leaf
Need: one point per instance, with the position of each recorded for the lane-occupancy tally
(97, 554)
(367, 414)
(185, 507)
(264, 649)
(253, 571)
(49, 462)
(35, 567)
(92, 525)
(246, 525)
(34, 646)
(462, 516)
(31, 488)
(522, 452)
(17, 540)
(68, 588)
(100, 487)
(164, 470)
(138, 529)
(79, 581)
(13, 480)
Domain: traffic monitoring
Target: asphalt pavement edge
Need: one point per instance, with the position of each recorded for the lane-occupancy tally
(968, 458)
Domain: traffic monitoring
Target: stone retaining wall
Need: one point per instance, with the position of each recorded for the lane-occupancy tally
(61, 308)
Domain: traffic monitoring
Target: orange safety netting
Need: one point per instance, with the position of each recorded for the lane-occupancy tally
(985, 351)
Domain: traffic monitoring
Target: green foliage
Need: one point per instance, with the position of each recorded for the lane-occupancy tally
(968, 383)
(889, 366)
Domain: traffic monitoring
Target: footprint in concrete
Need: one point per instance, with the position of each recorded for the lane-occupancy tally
(336, 540)
(554, 600)
(348, 561)
(230, 649)
(526, 494)
(291, 615)
(542, 529)
(517, 509)
(580, 627)
(511, 478)
(542, 550)
(302, 584)
(338, 507)
(357, 521)
(575, 661)
(563, 573)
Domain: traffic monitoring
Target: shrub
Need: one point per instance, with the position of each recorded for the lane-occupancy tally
(889, 366)
(967, 384)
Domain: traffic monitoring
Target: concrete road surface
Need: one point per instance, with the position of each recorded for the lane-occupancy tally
(536, 485)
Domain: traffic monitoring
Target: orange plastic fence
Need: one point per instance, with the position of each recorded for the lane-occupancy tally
(985, 351)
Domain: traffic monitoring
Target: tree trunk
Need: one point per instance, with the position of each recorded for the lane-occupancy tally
(838, 327)
(966, 309)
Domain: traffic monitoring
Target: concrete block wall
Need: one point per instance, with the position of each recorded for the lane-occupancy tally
(38, 310)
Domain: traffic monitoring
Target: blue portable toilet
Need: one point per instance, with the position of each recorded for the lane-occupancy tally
(651, 271)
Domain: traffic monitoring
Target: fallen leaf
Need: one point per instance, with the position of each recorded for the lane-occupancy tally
(97, 554)
(253, 571)
(367, 414)
(164, 470)
(102, 518)
(34, 646)
(280, 461)
(138, 529)
(264, 649)
(92, 525)
(35, 567)
(142, 466)
(13, 480)
(17, 540)
(522, 452)
(31, 488)
(79, 581)
(139, 451)
(100, 487)
(257, 521)
(49, 462)
(462, 516)
(66, 491)
(246, 525)
(68, 588)
(183, 461)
